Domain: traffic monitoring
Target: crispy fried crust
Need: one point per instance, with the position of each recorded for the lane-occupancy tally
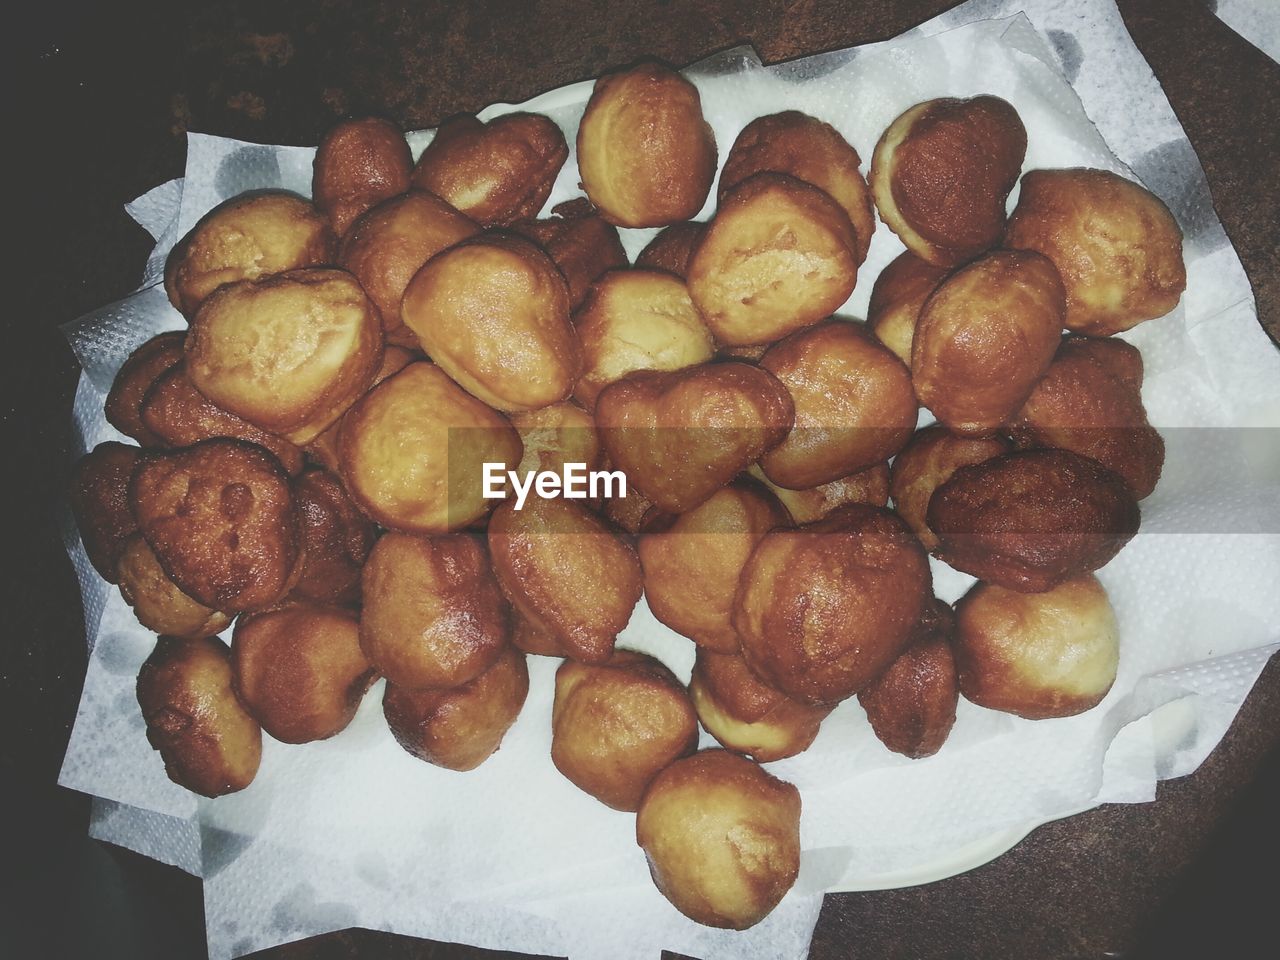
(463, 726)
(336, 540)
(896, 299)
(1041, 655)
(1116, 244)
(358, 164)
(866, 486)
(556, 435)
(853, 401)
(823, 609)
(942, 172)
(494, 172)
(672, 249)
(433, 615)
(645, 154)
(156, 600)
(144, 366)
(722, 838)
(680, 436)
(221, 518)
(1032, 519)
(208, 742)
(99, 494)
(324, 448)
(582, 245)
(615, 725)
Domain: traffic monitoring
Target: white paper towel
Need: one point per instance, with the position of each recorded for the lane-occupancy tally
(354, 832)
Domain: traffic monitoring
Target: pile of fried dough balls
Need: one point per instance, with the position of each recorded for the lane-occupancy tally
(310, 450)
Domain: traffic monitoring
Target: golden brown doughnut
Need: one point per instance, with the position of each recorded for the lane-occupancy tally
(525, 636)
(221, 518)
(722, 838)
(461, 727)
(680, 436)
(984, 338)
(493, 312)
(672, 249)
(1032, 519)
(412, 451)
(896, 299)
(645, 154)
(433, 615)
(567, 572)
(853, 401)
(208, 742)
(1090, 402)
(156, 600)
(866, 486)
(582, 245)
(627, 512)
(810, 150)
(494, 172)
(250, 237)
(1038, 655)
(1116, 244)
(358, 164)
(692, 560)
(99, 494)
(391, 242)
(336, 540)
(178, 415)
(324, 448)
(746, 715)
(637, 320)
(139, 372)
(556, 435)
(912, 705)
(616, 724)
(823, 609)
(942, 172)
(926, 463)
(779, 255)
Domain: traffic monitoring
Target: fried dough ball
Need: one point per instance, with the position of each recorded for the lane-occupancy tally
(178, 415)
(984, 338)
(1040, 655)
(494, 172)
(628, 511)
(144, 366)
(336, 540)
(897, 298)
(206, 738)
(1090, 402)
(1032, 519)
(615, 725)
(250, 237)
(747, 716)
(645, 154)
(581, 244)
(412, 451)
(722, 838)
(912, 705)
(672, 249)
(324, 448)
(433, 614)
(358, 164)
(692, 561)
(680, 436)
(493, 312)
(461, 727)
(567, 572)
(779, 255)
(391, 242)
(810, 150)
(525, 636)
(823, 610)
(926, 463)
(221, 518)
(752, 352)
(156, 600)
(942, 172)
(1116, 244)
(866, 486)
(557, 435)
(99, 494)
(637, 320)
(853, 401)
(289, 353)
(299, 670)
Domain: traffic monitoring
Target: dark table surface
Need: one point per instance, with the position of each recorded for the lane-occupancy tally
(100, 98)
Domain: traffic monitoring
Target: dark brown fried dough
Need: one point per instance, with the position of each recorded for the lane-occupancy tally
(156, 600)
(583, 246)
(897, 298)
(99, 494)
(336, 540)
(144, 366)
(672, 249)
(358, 164)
